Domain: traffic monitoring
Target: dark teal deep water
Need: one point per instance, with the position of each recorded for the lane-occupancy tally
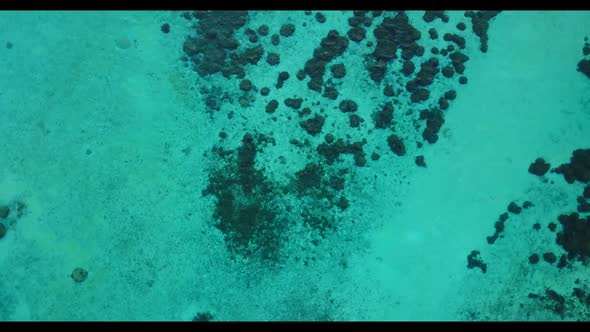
(335, 167)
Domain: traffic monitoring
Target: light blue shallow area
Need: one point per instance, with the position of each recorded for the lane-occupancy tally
(105, 139)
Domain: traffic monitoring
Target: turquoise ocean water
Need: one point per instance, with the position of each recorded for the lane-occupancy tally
(291, 165)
